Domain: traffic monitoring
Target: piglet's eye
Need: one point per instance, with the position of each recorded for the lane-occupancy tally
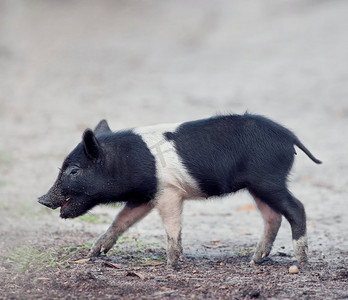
(74, 172)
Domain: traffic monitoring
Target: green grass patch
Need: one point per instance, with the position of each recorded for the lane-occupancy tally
(23, 208)
(94, 219)
(245, 251)
(26, 258)
(136, 250)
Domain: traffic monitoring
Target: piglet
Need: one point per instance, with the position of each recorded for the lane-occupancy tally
(161, 166)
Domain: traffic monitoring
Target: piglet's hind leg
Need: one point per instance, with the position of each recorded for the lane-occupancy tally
(281, 200)
(127, 216)
(272, 221)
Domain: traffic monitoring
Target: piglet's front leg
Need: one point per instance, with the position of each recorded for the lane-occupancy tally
(128, 215)
(170, 208)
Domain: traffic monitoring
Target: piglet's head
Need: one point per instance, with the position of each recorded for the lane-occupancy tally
(80, 181)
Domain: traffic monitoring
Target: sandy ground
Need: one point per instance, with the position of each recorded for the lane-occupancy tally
(64, 65)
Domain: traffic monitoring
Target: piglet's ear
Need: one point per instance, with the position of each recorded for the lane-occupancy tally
(102, 127)
(91, 145)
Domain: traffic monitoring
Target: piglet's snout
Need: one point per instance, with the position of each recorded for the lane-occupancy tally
(45, 200)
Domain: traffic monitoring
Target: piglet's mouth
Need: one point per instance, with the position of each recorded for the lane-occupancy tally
(65, 204)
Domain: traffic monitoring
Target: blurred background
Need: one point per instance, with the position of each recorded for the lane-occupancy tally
(64, 65)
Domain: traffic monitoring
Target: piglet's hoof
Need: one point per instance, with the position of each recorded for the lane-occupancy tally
(96, 251)
(252, 263)
(303, 265)
(174, 266)
(102, 245)
(93, 253)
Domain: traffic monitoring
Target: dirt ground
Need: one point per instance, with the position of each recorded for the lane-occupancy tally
(64, 65)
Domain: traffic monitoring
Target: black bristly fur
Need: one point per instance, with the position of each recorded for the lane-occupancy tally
(228, 153)
(116, 167)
